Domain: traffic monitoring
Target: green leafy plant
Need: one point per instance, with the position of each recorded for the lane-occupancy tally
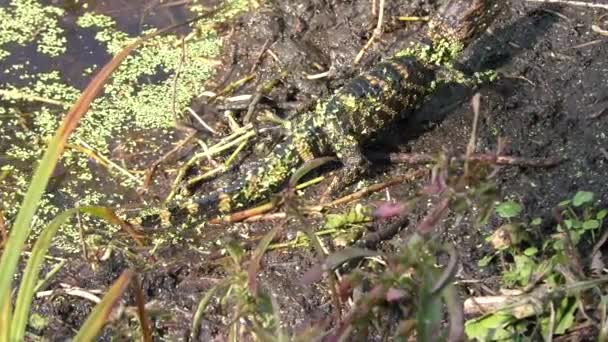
(240, 294)
(579, 216)
(549, 272)
(510, 234)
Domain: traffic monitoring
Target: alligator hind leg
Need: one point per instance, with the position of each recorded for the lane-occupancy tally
(355, 164)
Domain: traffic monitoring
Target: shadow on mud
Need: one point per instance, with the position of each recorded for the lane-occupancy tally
(490, 52)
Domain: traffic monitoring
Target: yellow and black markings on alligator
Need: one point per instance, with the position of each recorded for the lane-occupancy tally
(339, 124)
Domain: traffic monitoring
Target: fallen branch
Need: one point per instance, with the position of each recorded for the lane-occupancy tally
(573, 3)
(258, 213)
(423, 158)
(372, 239)
(244, 214)
(369, 190)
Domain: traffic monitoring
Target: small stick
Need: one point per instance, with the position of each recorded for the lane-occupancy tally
(81, 236)
(211, 173)
(369, 190)
(200, 120)
(423, 158)
(232, 156)
(14, 94)
(159, 161)
(266, 217)
(233, 86)
(573, 3)
(309, 183)
(215, 149)
(221, 145)
(318, 76)
(475, 103)
(91, 153)
(261, 91)
(76, 292)
(255, 214)
(380, 17)
(599, 113)
(236, 138)
(205, 148)
(413, 18)
(274, 56)
(239, 98)
(593, 42)
(235, 134)
(244, 214)
(178, 71)
(258, 60)
(376, 34)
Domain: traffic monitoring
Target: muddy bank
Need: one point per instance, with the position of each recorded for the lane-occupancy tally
(550, 100)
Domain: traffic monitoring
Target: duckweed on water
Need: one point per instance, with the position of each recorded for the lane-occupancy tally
(135, 98)
(26, 21)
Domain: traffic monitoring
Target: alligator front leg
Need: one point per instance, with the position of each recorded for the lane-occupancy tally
(355, 164)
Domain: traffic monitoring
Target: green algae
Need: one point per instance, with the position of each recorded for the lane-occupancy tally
(141, 95)
(27, 21)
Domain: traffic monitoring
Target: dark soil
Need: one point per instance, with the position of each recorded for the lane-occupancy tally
(551, 100)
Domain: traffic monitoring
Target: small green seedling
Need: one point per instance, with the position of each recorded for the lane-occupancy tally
(579, 216)
(508, 236)
(542, 273)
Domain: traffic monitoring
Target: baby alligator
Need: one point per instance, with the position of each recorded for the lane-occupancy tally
(339, 124)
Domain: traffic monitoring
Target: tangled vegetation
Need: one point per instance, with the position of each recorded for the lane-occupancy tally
(386, 269)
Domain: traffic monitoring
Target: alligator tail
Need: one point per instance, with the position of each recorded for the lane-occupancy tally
(259, 179)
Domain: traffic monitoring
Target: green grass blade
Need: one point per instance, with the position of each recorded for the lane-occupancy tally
(30, 274)
(22, 225)
(200, 310)
(98, 317)
(21, 228)
(5, 319)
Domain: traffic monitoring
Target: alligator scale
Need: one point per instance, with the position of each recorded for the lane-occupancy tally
(356, 112)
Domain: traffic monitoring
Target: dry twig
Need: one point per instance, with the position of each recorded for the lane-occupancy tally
(489, 158)
(573, 3)
(154, 166)
(375, 35)
(475, 103)
(256, 214)
(17, 95)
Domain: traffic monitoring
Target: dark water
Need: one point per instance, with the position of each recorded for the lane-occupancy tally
(83, 51)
